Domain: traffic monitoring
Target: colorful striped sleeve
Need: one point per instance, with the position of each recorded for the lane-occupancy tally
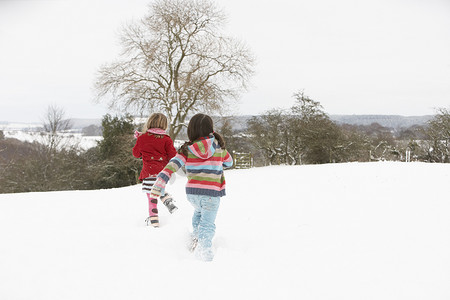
(227, 159)
(164, 176)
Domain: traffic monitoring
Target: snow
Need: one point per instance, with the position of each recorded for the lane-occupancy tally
(68, 139)
(32, 132)
(20, 126)
(337, 231)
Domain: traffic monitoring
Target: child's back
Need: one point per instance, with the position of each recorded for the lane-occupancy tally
(204, 165)
(155, 150)
(204, 158)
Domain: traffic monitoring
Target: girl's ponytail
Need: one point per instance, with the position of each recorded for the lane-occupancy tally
(184, 148)
(219, 139)
(200, 125)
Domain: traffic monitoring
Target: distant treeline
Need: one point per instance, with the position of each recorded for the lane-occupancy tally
(304, 134)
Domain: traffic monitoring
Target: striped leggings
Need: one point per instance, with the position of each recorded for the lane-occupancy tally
(147, 185)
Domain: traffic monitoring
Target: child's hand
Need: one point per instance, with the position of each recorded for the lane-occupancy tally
(136, 134)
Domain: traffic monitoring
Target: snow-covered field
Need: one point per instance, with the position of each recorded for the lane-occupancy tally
(30, 132)
(67, 139)
(338, 231)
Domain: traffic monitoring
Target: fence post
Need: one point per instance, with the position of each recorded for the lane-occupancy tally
(242, 160)
(408, 155)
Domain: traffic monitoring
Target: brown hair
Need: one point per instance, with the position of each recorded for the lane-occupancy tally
(200, 125)
(156, 120)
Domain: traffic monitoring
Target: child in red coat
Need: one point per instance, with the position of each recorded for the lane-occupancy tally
(155, 148)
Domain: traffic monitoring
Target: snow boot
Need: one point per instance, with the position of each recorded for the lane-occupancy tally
(152, 220)
(204, 254)
(168, 202)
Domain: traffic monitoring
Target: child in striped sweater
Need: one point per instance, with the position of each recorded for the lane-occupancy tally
(204, 158)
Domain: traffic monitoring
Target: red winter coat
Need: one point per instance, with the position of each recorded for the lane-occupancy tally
(155, 150)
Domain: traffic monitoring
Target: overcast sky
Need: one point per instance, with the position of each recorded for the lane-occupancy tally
(353, 56)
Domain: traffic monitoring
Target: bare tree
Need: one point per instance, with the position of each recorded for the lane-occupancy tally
(438, 132)
(270, 135)
(303, 134)
(176, 60)
(55, 124)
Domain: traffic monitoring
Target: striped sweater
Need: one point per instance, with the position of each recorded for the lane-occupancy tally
(204, 166)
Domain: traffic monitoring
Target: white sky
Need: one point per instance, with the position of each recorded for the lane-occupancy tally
(353, 56)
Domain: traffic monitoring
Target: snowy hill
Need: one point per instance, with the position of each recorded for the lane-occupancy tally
(339, 231)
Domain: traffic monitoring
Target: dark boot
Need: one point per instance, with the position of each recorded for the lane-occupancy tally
(168, 202)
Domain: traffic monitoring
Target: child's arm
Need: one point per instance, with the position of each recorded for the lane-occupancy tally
(227, 160)
(164, 176)
(137, 150)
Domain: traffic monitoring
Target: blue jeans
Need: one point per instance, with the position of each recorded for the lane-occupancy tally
(204, 217)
